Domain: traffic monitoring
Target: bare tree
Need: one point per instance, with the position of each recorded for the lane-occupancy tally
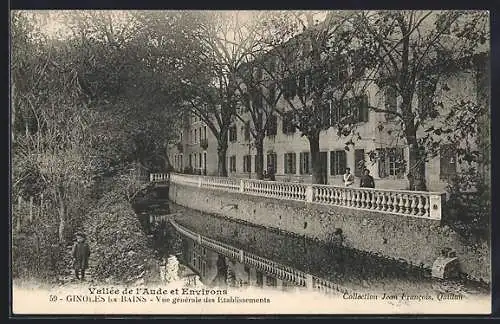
(321, 73)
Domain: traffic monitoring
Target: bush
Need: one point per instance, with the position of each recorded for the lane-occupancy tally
(119, 248)
(468, 208)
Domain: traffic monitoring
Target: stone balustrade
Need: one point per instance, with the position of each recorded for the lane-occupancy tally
(280, 271)
(400, 202)
(158, 177)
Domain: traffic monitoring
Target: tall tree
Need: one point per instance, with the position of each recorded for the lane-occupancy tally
(321, 72)
(259, 96)
(226, 41)
(417, 51)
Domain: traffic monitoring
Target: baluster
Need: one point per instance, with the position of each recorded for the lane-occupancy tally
(413, 206)
(361, 198)
(401, 204)
(364, 199)
(331, 196)
(420, 207)
(352, 201)
(390, 202)
(335, 198)
(318, 194)
(427, 206)
(407, 204)
(379, 201)
(384, 201)
(359, 201)
(373, 200)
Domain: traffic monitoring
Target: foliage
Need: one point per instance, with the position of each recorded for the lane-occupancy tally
(317, 70)
(119, 248)
(468, 209)
(418, 52)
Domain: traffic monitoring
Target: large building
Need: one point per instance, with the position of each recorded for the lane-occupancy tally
(288, 152)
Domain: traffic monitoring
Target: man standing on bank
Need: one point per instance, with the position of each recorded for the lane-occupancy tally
(80, 253)
(367, 180)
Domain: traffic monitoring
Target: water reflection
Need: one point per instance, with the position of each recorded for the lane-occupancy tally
(347, 267)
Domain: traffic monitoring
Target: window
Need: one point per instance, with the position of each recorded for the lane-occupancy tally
(246, 131)
(447, 161)
(195, 139)
(199, 160)
(272, 125)
(205, 162)
(247, 163)
(425, 95)
(359, 162)
(205, 132)
(232, 133)
(326, 115)
(199, 135)
(391, 101)
(289, 88)
(304, 163)
(355, 109)
(391, 162)
(288, 126)
(271, 281)
(342, 70)
(338, 162)
(290, 163)
(443, 24)
(232, 163)
(272, 161)
(190, 161)
(358, 106)
(303, 81)
(259, 280)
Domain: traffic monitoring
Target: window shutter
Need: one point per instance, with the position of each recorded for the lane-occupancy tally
(332, 162)
(294, 163)
(284, 161)
(401, 158)
(343, 161)
(382, 170)
(364, 108)
(301, 163)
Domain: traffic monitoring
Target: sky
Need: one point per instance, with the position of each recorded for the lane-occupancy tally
(52, 26)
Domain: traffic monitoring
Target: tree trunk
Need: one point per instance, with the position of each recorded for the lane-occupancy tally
(62, 221)
(62, 216)
(317, 174)
(259, 158)
(416, 162)
(221, 160)
(13, 111)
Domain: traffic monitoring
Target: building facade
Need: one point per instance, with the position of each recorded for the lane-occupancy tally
(288, 153)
